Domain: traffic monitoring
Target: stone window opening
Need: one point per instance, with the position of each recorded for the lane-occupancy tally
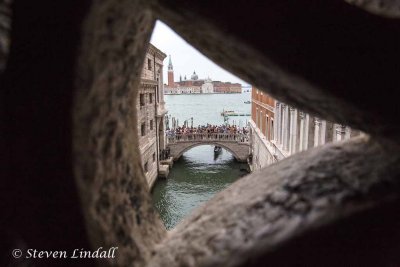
(150, 98)
(314, 203)
(151, 125)
(142, 100)
(143, 129)
(272, 129)
(149, 64)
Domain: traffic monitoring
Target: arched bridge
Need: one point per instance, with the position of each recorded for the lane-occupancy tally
(237, 144)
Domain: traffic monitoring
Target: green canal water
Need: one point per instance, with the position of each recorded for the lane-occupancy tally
(198, 174)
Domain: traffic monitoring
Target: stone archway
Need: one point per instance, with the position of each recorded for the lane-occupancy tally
(239, 151)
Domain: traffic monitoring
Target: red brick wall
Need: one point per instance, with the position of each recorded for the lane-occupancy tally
(263, 112)
(171, 79)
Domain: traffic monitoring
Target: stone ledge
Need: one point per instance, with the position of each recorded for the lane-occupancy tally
(163, 171)
(169, 162)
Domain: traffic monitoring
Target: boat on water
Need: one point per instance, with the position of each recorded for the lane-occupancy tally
(247, 102)
(217, 149)
(226, 113)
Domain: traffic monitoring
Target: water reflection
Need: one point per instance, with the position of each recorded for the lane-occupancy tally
(195, 178)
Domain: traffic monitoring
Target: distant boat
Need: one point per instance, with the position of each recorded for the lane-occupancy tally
(226, 113)
(247, 102)
(217, 149)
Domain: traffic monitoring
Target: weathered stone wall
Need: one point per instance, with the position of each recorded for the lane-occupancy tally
(147, 143)
(262, 152)
(108, 168)
(148, 73)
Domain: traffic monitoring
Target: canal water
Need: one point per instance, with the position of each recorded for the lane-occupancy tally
(199, 174)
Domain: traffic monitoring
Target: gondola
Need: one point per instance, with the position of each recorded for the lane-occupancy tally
(217, 149)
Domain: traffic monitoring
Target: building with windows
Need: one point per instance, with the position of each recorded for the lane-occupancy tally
(227, 87)
(278, 130)
(261, 129)
(151, 112)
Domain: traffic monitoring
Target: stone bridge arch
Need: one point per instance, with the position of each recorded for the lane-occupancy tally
(239, 150)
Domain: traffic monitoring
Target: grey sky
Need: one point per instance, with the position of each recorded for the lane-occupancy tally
(185, 58)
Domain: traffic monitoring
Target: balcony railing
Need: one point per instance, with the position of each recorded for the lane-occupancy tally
(221, 137)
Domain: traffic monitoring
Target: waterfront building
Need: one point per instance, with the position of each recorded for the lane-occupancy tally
(227, 87)
(151, 112)
(278, 130)
(194, 85)
(207, 87)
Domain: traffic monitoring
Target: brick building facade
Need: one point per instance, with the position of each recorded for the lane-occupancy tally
(279, 130)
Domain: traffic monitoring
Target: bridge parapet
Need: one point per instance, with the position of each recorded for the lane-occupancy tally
(220, 137)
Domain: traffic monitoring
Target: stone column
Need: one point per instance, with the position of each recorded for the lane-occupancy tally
(329, 132)
(301, 138)
(322, 138)
(309, 131)
(317, 131)
(285, 128)
(340, 132)
(281, 121)
(290, 131)
(275, 122)
(161, 132)
(278, 123)
(293, 130)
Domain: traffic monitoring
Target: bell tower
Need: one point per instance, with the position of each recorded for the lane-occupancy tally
(170, 73)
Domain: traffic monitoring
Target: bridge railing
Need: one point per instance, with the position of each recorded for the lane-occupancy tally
(188, 137)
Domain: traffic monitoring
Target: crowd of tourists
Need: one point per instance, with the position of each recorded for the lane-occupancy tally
(207, 129)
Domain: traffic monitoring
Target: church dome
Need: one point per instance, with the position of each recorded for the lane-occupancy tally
(194, 76)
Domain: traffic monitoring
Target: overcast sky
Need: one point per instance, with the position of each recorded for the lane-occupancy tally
(185, 58)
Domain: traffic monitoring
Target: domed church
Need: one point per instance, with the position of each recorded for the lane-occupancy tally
(196, 85)
(194, 76)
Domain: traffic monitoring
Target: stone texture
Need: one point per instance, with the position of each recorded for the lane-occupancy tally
(258, 215)
(386, 8)
(108, 168)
